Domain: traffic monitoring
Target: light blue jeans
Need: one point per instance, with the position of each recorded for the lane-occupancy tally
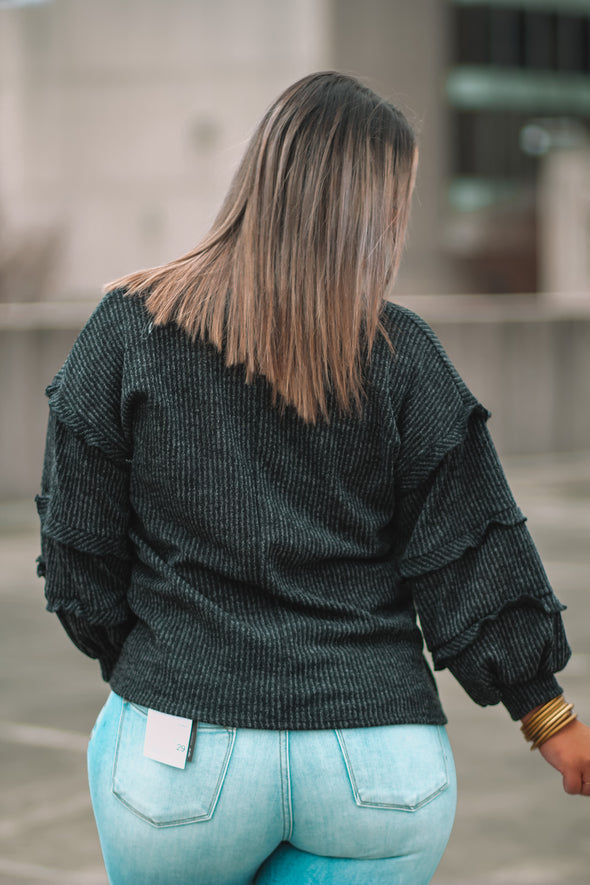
(355, 806)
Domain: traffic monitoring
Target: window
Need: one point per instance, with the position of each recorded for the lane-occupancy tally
(514, 62)
(522, 36)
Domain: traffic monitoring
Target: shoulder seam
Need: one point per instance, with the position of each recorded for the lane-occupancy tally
(428, 335)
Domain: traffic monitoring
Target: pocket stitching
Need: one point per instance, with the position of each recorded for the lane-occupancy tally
(178, 821)
(362, 803)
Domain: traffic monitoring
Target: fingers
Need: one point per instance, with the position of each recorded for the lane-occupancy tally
(574, 783)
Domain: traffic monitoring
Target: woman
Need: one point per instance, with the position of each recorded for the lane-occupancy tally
(258, 471)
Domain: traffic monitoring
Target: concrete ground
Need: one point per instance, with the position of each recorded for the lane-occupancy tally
(515, 825)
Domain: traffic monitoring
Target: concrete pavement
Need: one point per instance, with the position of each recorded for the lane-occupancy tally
(514, 826)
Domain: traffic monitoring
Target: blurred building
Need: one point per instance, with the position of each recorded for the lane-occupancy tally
(121, 123)
(518, 91)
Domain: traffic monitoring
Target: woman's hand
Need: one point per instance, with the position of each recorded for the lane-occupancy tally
(569, 752)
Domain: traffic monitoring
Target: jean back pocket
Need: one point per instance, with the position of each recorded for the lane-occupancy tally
(396, 766)
(160, 794)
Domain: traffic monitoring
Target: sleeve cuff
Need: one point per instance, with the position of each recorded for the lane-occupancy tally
(521, 699)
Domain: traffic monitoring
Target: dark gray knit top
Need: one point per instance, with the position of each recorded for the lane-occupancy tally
(229, 564)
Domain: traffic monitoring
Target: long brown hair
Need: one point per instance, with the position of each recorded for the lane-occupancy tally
(290, 280)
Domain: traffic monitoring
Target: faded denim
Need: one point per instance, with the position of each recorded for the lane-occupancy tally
(352, 806)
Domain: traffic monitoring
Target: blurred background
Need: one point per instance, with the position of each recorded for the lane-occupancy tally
(121, 123)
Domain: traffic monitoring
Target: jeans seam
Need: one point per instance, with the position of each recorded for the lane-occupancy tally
(285, 775)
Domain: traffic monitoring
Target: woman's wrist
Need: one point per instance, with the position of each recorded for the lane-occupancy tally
(546, 720)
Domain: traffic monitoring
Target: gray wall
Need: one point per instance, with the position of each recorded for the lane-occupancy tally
(121, 122)
(534, 376)
(34, 341)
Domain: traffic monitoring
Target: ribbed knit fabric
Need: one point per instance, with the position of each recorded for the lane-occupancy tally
(229, 564)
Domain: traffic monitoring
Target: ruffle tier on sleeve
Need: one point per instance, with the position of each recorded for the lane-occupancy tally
(486, 607)
(83, 503)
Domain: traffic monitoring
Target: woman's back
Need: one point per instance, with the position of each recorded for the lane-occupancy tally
(273, 560)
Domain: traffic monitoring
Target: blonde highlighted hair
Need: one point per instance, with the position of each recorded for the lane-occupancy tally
(290, 279)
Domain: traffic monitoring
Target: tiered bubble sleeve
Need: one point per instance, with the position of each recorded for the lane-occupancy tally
(486, 607)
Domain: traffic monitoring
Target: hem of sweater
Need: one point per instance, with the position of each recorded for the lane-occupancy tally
(396, 712)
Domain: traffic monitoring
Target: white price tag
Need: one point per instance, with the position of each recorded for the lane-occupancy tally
(167, 738)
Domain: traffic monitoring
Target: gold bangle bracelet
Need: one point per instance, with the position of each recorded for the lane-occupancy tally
(545, 710)
(543, 713)
(554, 724)
(555, 730)
(571, 718)
(533, 733)
(547, 721)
